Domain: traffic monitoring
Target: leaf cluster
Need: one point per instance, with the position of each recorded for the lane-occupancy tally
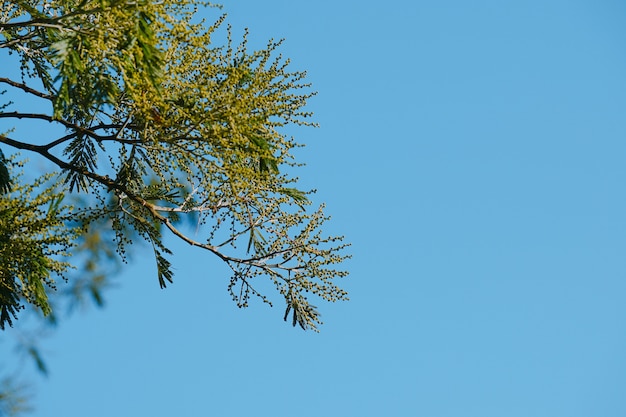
(34, 238)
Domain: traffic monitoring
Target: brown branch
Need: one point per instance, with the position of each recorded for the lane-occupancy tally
(31, 23)
(50, 119)
(95, 136)
(39, 116)
(50, 21)
(77, 129)
(18, 40)
(43, 151)
(20, 145)
(26, 88)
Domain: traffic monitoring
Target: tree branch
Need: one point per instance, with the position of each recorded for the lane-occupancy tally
(18, 40)
(95, 136)
(26, 88)
(39, 116)
(77, 129)
(50, 21)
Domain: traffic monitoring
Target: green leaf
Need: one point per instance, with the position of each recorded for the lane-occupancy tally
(297, 195)
(164, 269)
(33, 352)
(9, 303)
(5, 177)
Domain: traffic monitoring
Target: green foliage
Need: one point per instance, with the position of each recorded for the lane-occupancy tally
(161, 127)
(13, 398)
(34, 235)
(5, 177)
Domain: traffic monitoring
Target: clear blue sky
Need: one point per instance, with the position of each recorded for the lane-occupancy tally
(474, 153)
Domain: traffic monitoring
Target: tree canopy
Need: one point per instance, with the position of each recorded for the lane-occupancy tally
(154, 129)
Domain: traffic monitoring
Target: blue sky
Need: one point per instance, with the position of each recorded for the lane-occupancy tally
(474, 153)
